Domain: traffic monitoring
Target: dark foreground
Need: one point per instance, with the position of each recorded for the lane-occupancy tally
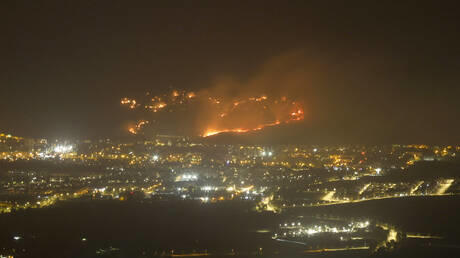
(191, 229)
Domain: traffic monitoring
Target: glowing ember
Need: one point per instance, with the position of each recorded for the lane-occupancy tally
(211, 115)
(214, 132)
(138, 127)
(211, 132)
(130, 102)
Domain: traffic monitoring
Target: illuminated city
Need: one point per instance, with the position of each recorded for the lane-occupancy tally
(277, 129)
(282, 179)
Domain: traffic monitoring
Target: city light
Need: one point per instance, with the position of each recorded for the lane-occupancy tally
(260, 129)
(208, 188)
(63, 148)
(187, 177)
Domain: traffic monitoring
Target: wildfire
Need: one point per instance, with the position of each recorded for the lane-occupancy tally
(216, 114)
(214, 100)
(132, 130)
(211, 132)
(130, 102)
(175, 94)
(298, 115)
(137, 127)
(214, 132)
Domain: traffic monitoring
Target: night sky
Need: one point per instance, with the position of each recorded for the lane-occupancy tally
(368, 72)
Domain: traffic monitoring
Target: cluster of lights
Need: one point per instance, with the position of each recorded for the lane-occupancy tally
(208, 188)
(267, 153)
(188, 177)
(63, 148)
(298, 230)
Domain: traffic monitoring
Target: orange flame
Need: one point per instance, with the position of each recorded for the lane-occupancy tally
(211, 132)
(138, 127)
(224, 115)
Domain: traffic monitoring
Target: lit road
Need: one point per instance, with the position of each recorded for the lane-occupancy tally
(364, 188)
(444, 185)
(415, 188)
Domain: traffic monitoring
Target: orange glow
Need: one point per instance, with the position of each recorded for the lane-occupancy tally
(138, 127)
(261, 98)
(132, 130)
(216, 114)
(214, 100)
(211, 132)
(130, 102)
(161, 105)
(214, 132)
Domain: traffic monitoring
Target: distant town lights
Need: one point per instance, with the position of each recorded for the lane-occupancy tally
(63, 148)
(208, 188)
(188, 177)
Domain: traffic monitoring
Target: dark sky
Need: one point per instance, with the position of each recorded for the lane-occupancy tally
(379, 72)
